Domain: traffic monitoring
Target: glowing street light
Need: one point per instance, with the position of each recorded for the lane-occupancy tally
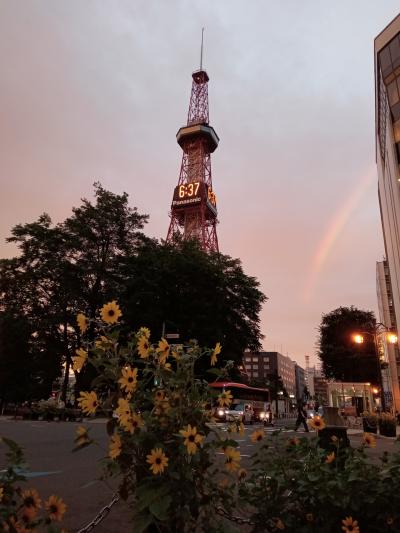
(391, 338)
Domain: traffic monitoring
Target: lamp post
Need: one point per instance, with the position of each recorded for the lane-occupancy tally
(391, 338)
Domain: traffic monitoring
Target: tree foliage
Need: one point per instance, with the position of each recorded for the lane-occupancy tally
(342, 359)
(65, 269)
(181, 289)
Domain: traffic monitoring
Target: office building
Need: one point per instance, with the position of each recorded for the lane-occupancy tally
(259, 364)
(387, 135)
(390, 352)
(300, 381)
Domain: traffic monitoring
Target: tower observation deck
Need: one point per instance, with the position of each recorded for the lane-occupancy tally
(194, 204)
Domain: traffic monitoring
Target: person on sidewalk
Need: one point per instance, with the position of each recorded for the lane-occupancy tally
(301, 417)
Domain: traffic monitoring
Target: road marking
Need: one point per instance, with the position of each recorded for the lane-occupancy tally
(33, 474)
(241, 455)
(89, 484)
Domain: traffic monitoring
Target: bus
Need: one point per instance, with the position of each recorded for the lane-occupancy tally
(249, 404)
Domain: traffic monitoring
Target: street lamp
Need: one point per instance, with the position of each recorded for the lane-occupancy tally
(391, 338)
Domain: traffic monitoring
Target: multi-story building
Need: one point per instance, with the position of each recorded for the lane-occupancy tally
(300, 381)
(387, 315)
(259, 364)
(387, 129)
(309, 379)
(320, 389)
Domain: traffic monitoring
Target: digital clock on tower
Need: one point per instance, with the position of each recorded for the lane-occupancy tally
(189, 193)
(188, 190)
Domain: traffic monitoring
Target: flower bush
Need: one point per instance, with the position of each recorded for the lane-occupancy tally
(163, 445)
(387, 424)
(22, 510)
(161, 442)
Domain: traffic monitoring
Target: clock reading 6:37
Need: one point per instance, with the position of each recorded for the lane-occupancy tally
(189, 189)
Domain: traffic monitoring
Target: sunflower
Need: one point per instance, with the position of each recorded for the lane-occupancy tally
(350, 525)
(159, 396)
(17, 526)
(136, 421)
(129, 379)
(310, 517)
(215, 352)
(232, 459)
(225, 398)
(103, 343)
(175, 354)
(192, 439)
(115, 446)
(143, 347)
(330, 458)
(1, 493)
(162, 407)
(144, 332)
(369, 440)
(242, 473)
(28, 514)
(110, 312)
(123, 411)
(257, 436)
(30, 498)
(56, 508)
(317, 423)
(82, 436)
(82, 321)
(88, 402)
(294, 441)
(279, 524)
(157, 460)
(79, 361)
(163, 351)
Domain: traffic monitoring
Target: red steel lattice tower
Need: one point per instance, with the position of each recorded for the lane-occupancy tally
(194, 205)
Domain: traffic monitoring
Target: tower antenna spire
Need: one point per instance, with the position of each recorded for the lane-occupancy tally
(201, 50)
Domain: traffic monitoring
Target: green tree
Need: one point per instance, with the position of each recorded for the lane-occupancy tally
(181, 289)
(341, 358)
(67, 268)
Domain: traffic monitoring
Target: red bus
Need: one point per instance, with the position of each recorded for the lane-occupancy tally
(250, 404)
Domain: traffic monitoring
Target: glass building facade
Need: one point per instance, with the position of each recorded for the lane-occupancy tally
(387, 128)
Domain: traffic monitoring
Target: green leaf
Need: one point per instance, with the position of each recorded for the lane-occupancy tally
(160, 508)
(141, 522)
(147, 493)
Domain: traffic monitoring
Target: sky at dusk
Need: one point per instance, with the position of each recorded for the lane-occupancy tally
(96, 91)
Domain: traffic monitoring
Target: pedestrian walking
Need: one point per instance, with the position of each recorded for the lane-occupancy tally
(301, 417)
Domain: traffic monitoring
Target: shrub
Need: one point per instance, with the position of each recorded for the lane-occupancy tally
(22, 510)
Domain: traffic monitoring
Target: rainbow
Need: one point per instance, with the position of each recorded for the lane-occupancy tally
(335, 228)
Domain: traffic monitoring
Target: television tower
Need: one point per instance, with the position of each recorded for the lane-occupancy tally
(194, 204)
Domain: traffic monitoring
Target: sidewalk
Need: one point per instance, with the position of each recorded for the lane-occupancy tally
(359, 431)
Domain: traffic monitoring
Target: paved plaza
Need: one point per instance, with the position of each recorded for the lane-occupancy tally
(75, 476)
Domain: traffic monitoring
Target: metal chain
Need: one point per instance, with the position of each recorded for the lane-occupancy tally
(101, 515)
(237, 519)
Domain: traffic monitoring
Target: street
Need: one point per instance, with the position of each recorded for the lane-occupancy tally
(74, 476)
